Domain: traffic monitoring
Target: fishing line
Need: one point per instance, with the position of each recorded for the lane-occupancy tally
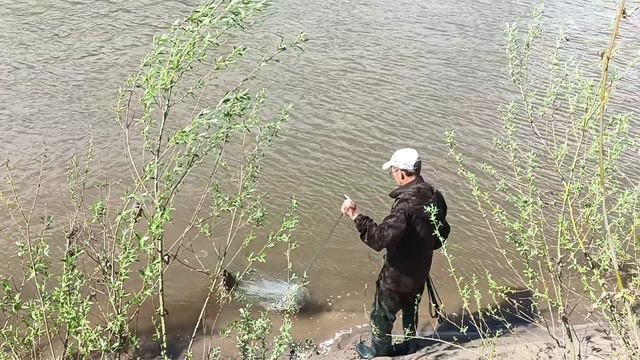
(323, 246)
(325, 242)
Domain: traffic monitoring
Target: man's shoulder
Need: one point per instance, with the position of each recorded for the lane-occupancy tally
(407, 205)
(438, 196)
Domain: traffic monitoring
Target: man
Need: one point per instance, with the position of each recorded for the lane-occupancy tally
(409, 236)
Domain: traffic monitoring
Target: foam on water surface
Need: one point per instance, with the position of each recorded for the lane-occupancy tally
(275, 295)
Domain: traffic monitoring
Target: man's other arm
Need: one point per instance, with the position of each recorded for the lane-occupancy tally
(383, 235)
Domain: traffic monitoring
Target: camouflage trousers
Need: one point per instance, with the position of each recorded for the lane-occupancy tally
(386, 306)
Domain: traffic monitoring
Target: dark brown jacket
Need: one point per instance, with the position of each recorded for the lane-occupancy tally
(408, 234)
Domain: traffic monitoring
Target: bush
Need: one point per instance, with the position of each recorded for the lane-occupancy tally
(116, 251)
(561, 209)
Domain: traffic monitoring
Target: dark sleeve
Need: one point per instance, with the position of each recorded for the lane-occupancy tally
(383, 235)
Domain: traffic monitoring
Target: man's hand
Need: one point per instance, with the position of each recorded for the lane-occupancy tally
(350, 209)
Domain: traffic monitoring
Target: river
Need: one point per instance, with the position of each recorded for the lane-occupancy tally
(376, 76)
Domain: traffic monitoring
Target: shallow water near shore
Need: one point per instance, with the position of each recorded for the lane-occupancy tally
(375, 76)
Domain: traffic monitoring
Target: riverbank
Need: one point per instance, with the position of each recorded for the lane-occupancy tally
(529, 342)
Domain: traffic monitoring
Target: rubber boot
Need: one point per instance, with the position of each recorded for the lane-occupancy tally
(369, 352)
(365, 351)
(401, 349)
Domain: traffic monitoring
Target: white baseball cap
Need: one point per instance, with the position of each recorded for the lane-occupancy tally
(404, 159)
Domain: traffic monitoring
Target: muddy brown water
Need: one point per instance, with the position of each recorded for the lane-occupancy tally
(376, 75)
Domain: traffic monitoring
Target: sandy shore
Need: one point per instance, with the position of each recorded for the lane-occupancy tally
(529, 342)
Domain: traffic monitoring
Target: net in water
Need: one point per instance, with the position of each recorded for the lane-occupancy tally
(275, 294)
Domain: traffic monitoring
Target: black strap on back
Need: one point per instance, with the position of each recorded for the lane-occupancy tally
(435, 302)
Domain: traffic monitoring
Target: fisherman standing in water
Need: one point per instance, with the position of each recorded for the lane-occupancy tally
(409, 236)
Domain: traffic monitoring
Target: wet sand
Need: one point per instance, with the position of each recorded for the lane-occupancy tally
(531, 342)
